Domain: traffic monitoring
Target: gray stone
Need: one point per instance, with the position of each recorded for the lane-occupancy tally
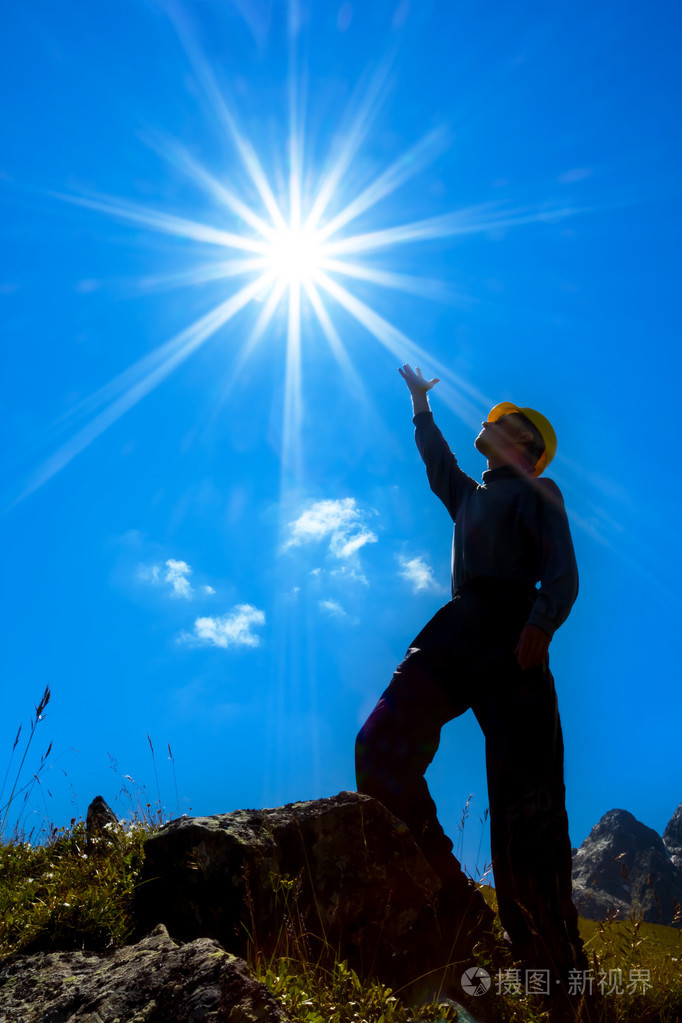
(154, 981)
(623, 867)
(338, 877)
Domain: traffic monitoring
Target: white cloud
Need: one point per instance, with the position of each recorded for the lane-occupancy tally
(332, 607)
(233, 629)
(347, 547)
(177, 575)
(419, 573)
(340, 522)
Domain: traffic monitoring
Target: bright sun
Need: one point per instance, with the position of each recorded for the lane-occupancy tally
(295, 255)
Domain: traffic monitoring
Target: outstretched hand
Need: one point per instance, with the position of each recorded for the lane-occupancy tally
(532, 647)
(415, 381)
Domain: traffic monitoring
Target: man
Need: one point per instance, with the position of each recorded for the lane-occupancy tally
(487, 650)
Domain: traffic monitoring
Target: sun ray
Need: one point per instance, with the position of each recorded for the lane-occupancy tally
(449, 225)
(139, 380)
(403, 348)
(291, 420)
(336, 345)
(424, 286)
(225, 118)
(352, 141)
(405, 167)
(203, 274)
(175, 153)
(260, 326)
(166, 223)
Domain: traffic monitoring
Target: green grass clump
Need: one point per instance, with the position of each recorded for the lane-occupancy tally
(68, 893)
(312, 994)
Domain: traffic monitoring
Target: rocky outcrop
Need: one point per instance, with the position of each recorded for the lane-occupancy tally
(624, 867)
(672, 837)
(338, 877)
(155, 981)
(100, 824)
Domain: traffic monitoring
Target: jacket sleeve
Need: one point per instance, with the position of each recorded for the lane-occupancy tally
(558, 568)
(446, 479)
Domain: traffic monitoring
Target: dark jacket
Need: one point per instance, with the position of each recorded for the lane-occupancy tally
(510, 527)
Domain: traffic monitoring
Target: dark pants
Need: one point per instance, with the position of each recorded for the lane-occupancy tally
(464, 658)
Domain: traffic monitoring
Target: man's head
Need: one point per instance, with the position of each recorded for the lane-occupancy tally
(517, 436)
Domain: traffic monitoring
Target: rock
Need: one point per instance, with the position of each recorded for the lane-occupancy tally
(154, 981)
(623, 867)
(330, 877)
(100, 823)
(672, 837)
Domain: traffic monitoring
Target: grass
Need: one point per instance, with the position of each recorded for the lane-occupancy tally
(68, 892)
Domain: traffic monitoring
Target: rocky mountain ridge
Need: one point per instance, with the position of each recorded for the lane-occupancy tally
(624, 867)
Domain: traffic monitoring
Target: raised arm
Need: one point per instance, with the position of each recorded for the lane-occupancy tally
(446, 479)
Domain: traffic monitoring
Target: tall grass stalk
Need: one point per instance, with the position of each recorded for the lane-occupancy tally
(175, 781)
(26, 789)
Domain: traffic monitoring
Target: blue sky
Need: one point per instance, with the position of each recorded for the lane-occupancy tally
(217, 529)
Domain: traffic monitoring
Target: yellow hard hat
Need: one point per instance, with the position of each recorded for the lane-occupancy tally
(541, 424)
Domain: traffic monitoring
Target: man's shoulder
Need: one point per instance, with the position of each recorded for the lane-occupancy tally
(549, 490)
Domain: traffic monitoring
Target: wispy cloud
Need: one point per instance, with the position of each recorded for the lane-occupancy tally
(333, 608)
(419, 574)
(349, 573)
(339, 522)
(230, 630)
(177, 575)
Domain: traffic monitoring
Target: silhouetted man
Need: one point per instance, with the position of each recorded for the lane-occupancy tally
(487, 649)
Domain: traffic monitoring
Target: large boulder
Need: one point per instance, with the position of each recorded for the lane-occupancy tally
(624, 867)
(155, 981)
(330, 877)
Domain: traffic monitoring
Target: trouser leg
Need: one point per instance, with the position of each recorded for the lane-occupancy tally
(529, 825)
(395, 747)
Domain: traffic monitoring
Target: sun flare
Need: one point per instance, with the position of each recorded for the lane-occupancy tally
(296, 255)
